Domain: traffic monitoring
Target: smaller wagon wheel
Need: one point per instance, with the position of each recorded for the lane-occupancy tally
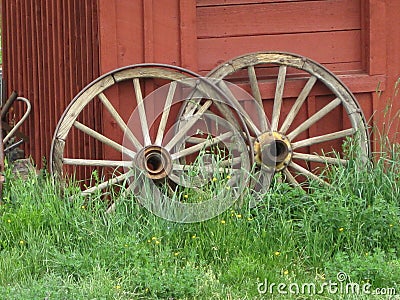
(142, 102)
(298, 142)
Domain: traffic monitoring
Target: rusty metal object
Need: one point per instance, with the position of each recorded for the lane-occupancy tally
(274, 150)
(10, 131)
(155, 161)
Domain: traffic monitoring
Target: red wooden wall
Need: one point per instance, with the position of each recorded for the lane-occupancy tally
(50, 52)
(53, 48)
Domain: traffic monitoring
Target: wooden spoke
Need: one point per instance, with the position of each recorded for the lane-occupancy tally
(188, 125)
(257, 95)
(299, 102)
(105, 184)
(165, 114)
(105, 140)
(96, 162)
(222, 85)
(307, 173)
(320, 159)
(205, 144)
(323, 138)
(142, 112)
(119, 121)
(280, 85)
(195, 140)
(290, 178)
(314, 118)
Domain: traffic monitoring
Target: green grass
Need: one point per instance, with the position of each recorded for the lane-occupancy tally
(53, 248)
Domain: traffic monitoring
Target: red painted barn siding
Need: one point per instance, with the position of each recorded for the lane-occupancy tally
(50, 52)
(348, 37)
(52, 49)
(326, 31)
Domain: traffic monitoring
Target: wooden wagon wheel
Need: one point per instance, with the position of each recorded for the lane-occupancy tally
(151, 163)
(298, 142)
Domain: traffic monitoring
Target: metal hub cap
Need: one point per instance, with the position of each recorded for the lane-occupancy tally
(274, 150)
(155, 161)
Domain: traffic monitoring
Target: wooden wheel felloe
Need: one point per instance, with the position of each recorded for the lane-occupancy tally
(298, 142)
(142, 149)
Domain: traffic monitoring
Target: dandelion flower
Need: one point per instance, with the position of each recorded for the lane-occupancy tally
(277, 253)
(390, 225)
(117, 287)
(157, 242)
(176, 253)
(83, 206)
(228, 177)
(21, 242)
(186, 196)
(238, 216)
(8, 221)
(194, 236)
(153, 238)
(341, 229)
(223, 222)
(214, 179)
(286, 272)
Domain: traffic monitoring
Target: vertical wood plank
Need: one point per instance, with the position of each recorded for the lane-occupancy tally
(376, 40)
(148, 31)
(188, 34)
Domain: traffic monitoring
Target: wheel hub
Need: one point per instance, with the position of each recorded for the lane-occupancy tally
(154, 161)
(274, 150)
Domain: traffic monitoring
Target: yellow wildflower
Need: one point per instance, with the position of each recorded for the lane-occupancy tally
(214, 179)
(341, 229)
(21, 242)
(186, 196)
(286, 272)
(223, 222)
(277, 253)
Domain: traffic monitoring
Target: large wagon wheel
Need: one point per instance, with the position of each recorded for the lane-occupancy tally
(298, 142)
(155, 163)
